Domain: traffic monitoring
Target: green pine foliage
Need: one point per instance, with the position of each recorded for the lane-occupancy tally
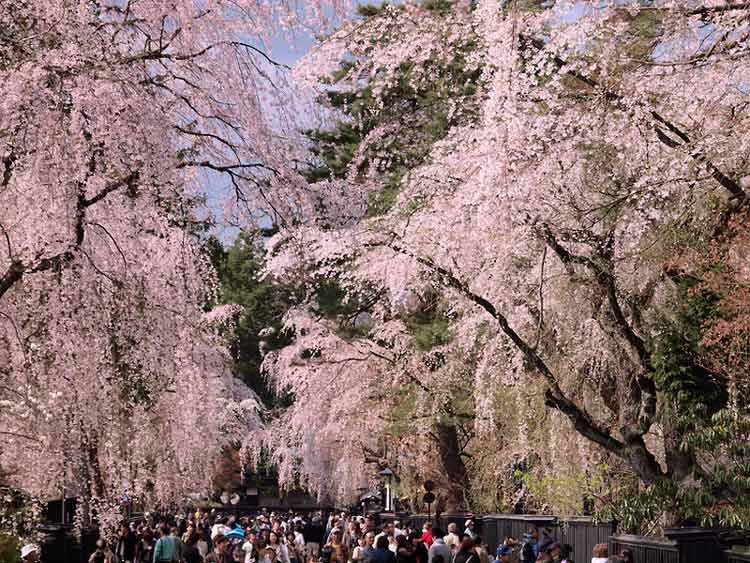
(333, 302)
(417, 111)
(264, 302)
(429, 328)
(677, 349)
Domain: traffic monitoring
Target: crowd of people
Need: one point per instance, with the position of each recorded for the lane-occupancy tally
(210, 537)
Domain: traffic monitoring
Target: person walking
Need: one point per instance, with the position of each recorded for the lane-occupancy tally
(251, 546)
(221, 552)
(276, 541)
(383, 554)
(125, 546)
(270, 555)
(530, 546)
(30, 553)
(421, 551)
(368, 551)
(466, 553)
(166, 550)
(427, 536)
(388, 533)
(190, 553)
(338, 552)
(352, 535)
(452, 540)
(439, 547)
(202, 542)
(144, 549)
(481, 550)
(404, 550)
(357, 556)
(313, 534)
(296, 553)
(102, 547)
(179, 547)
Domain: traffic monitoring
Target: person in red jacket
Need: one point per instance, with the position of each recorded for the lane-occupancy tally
(427, 534)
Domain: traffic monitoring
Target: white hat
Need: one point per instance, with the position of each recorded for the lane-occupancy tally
(28, 549)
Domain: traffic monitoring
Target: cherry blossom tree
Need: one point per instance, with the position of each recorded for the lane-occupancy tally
(608, 139)
(114, 117)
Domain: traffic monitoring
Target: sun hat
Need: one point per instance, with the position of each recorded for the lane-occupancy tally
(28, 549)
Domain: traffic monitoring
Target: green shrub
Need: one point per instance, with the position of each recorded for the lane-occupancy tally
(10, 547)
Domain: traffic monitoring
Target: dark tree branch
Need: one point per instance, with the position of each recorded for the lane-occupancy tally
(227, 168)
(730, 185)
(659, 124)
(17, 269)
(130, 180)
(606, 281)
(232, 147)
(8, 163)
(581, 420)
(540, 323)
(700, 11)
(17, 435)
(11, 276)
(161, 53)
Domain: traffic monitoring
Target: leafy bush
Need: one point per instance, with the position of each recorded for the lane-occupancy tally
(9, 549)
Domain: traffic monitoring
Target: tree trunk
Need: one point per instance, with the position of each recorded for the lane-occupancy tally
(455, 475)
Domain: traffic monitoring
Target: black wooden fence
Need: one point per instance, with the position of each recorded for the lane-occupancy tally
(581, 532)
(648, 550)
(684, 545)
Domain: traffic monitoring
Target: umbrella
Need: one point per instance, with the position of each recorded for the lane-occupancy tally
(238, 533)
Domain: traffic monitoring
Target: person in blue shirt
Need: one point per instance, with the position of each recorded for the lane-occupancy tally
(167, 549)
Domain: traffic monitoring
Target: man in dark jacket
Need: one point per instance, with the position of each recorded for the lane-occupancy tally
(125, 546)
(530, 547)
